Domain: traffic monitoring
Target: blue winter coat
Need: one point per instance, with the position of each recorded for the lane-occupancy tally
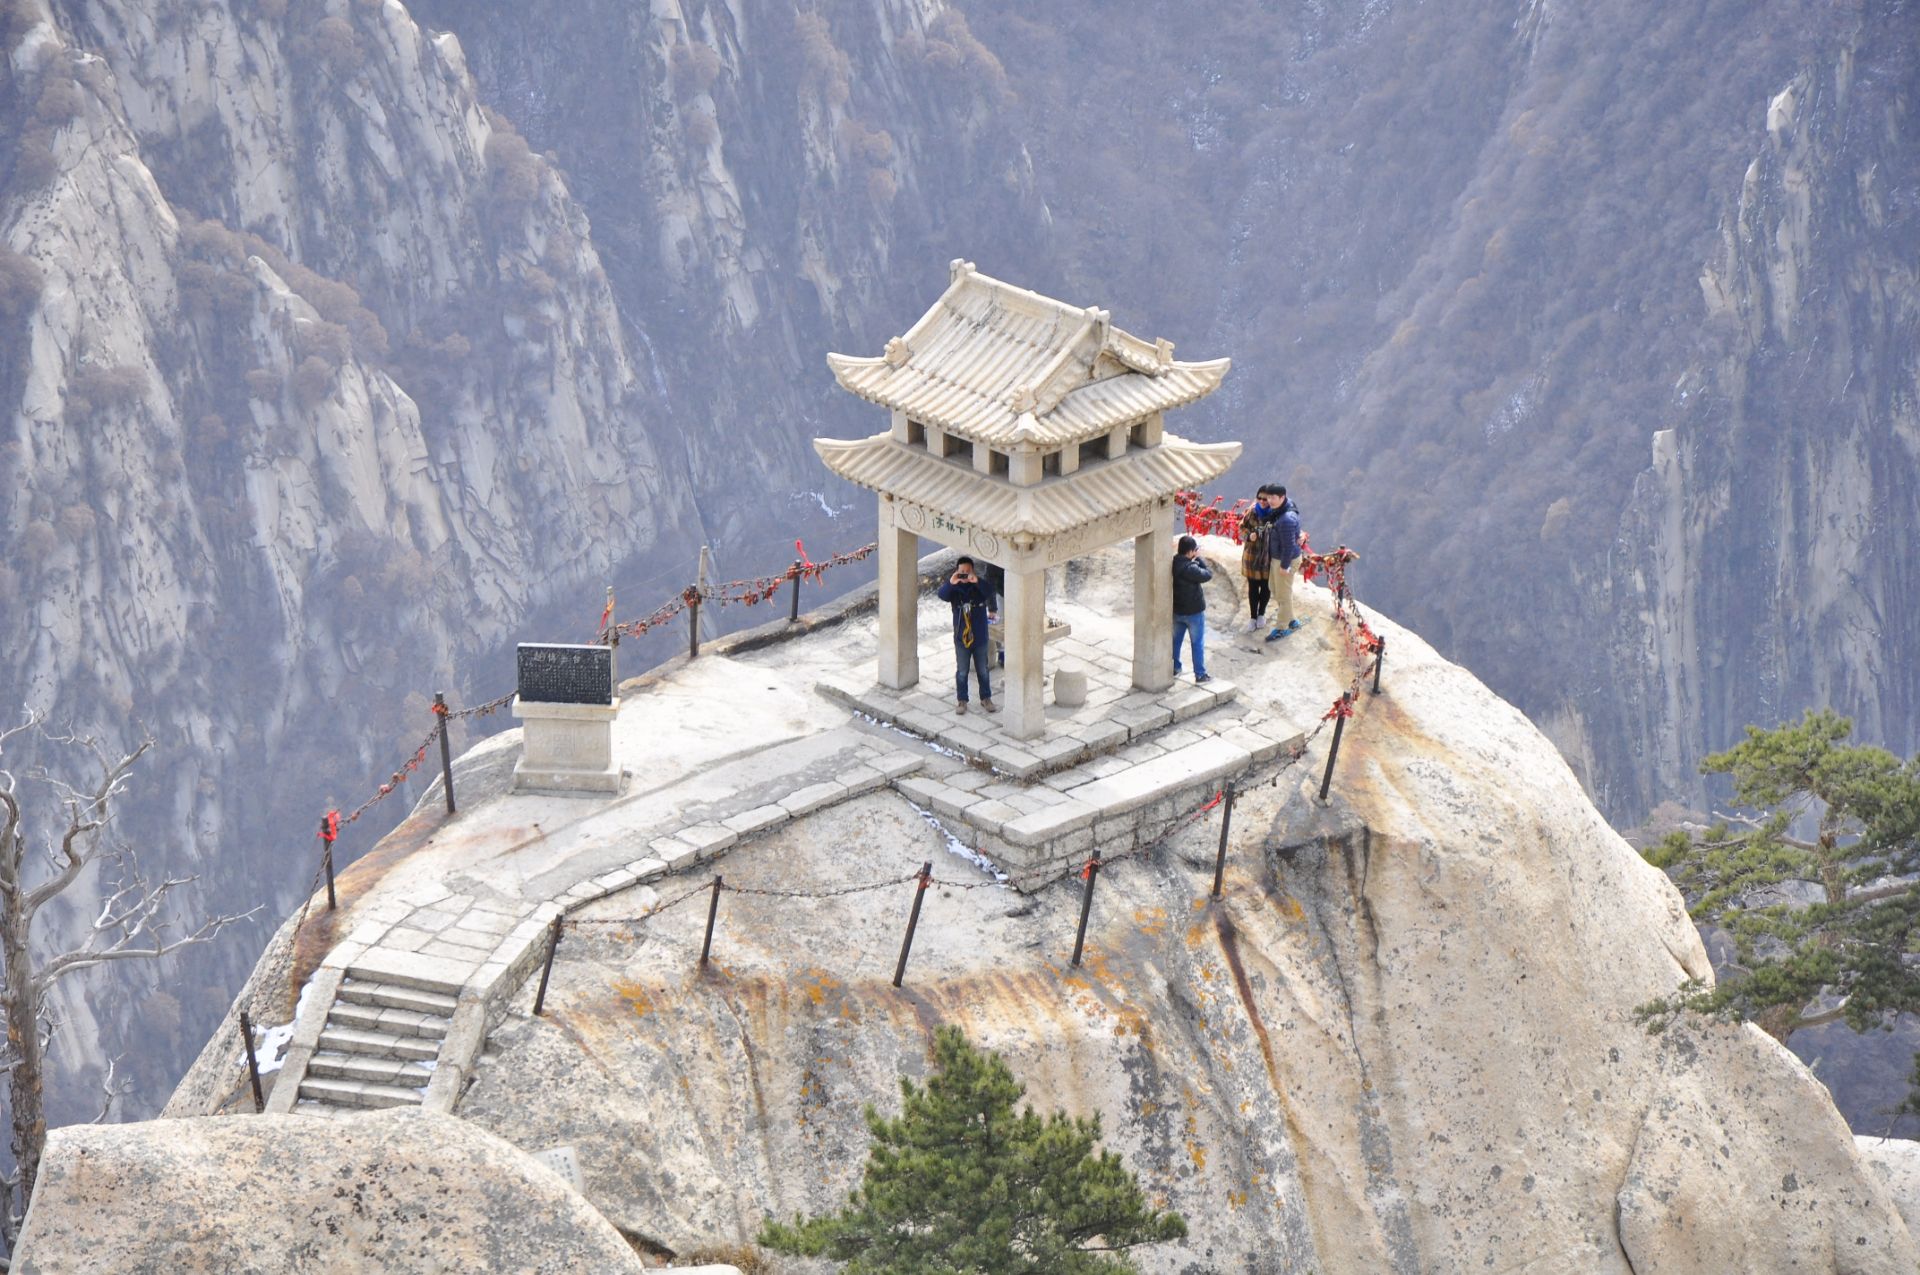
(1284, 537)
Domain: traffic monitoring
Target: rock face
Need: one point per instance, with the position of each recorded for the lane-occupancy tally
(1402, 1041)
(1897, 1161)
(394, 1192)
(1812, 306)
(319, 375)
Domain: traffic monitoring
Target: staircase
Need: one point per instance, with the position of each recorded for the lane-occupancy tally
(378, 1046)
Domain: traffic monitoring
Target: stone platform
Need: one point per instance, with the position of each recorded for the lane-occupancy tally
(720, 752)
(1116, 772)
(1114, 713)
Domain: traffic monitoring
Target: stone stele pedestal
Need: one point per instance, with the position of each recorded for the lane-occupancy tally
(569, 748)
(1026, 432)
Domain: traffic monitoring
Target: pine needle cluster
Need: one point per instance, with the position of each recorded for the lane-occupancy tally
(1817, 882)
(961, 1182)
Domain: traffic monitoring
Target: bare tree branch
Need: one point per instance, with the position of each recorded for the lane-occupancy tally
(130, 922)
(85, 815)
(67, 962)
(108, 1092)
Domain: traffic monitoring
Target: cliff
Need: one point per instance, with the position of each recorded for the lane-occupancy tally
(320, 370)
(341, 341)
(1402, 1040)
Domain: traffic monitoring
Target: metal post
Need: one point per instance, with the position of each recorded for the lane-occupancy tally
(913, 919)
(1086, 905)
(326, 860)
(253, 1063)
(793, 611)
(693, 623)
(1379, 658)
(1333, 751)
(553, 945)
(713, 910)
(1226, 823)
(446, 749)
(610, 637)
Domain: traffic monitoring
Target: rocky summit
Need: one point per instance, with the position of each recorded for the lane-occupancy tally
(1402, 1039)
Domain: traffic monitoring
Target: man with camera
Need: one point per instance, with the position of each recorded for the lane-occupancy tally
(973, 604)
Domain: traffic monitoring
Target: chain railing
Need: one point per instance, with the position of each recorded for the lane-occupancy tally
(1361, 644)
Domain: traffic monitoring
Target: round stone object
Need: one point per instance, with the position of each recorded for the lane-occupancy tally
(1070, 688)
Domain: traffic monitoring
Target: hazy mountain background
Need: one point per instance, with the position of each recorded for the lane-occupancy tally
(344, 343)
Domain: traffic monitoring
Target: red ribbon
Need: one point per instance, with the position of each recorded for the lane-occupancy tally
(1086, 869)
(1342, 707)
(330, 827)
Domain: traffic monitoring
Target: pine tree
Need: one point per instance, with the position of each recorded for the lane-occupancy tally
(961, 1183)
(1848, 953)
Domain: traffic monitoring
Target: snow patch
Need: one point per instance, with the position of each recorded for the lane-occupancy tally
(270, 1050)
(961, 849)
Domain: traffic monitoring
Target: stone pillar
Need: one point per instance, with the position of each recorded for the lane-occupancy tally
(899, 602)
(1153, 605)
(1024, 610)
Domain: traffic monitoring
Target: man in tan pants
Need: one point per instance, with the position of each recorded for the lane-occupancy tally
(1284, 551)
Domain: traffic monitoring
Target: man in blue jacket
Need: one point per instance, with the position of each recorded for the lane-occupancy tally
(971, 601)
(1283, 539)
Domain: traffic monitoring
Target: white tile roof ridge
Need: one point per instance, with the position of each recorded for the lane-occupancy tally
(987, 353)
(1047, 388)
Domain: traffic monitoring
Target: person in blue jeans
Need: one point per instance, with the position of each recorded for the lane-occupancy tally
(972, 602)
(1190, 606)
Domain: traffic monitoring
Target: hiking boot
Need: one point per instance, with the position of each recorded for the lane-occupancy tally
(989, 705)
(1276, 635)
(960, 707)
(1292, 625)
(1204, 677)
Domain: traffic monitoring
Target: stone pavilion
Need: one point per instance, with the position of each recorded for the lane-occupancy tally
(1026, 432)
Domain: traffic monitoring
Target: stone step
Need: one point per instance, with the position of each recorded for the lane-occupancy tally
(384, 1018)
(355, 1093)
(414, 969)
(373, 1071)
(392, 996)
(376, 1044)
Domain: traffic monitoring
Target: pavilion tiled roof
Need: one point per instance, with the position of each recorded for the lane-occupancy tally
(1057, 504)
(1000, 365)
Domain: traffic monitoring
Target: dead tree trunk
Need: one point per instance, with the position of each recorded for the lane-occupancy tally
(130, 923)
(26, 1081)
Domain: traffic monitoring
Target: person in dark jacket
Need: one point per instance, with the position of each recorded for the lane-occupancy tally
(1190, 606)
(1284, 546)
(967, 594)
